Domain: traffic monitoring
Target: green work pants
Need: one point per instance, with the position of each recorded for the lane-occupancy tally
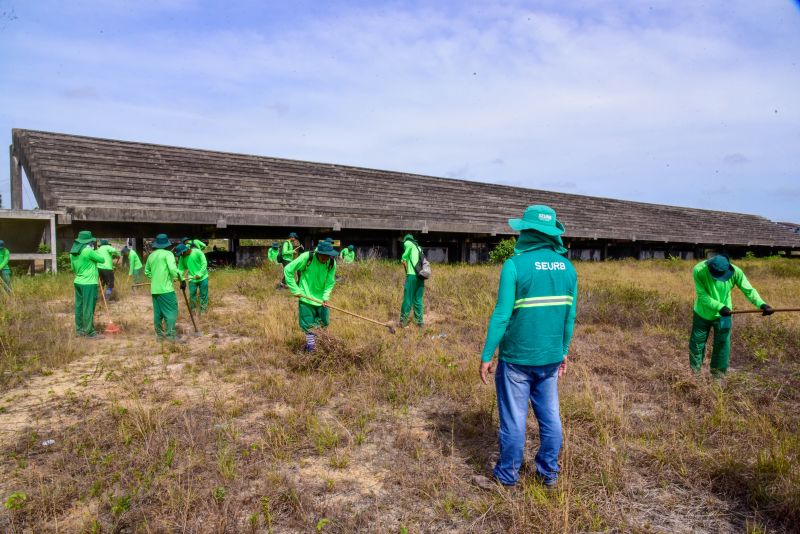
(199, 290)
(85, 302)
(5, 279)
(721, 350)
(413, 293)
(165, 314)
(311, 317)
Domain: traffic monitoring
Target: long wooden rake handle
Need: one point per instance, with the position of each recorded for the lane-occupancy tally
(385, 325)
(762, 311)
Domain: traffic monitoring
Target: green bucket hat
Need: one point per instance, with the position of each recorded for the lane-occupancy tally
(162, 241)
(720, 268)
(327, 249)
(84, 237)
(540, 218)
(104, 241)
(180, 249)
(409, 237)
(275, 245)
(351, 247)
(292, 235)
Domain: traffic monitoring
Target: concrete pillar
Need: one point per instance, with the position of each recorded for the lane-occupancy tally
(50, 239)
(16, 179)
(393, 248)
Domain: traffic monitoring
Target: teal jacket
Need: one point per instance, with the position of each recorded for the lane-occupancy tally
(534, 316)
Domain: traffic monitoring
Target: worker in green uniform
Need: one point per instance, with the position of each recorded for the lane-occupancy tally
(532, 325)
(414, 289)
(84, 261)
(273, 252)
(317, 271)
(349, 254)
(135, 266)
(106, 269)
(194, 268)
(713, 281)
(5, 271)
(289, 250)
(161, 269)
(194, 243)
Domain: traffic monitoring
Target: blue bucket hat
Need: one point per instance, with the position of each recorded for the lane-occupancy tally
(275, 245)
(351, 247)
(292, 235)
(104, 242)
(540, 218)
(327, 249)
(162, 241)
(2, 244)
(180, 249)
(720, 268)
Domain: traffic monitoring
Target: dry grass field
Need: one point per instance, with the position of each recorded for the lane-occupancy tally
(239, 431)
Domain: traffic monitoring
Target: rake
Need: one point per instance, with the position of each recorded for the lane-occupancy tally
(385, 325)
(762, 311)
(111, 328)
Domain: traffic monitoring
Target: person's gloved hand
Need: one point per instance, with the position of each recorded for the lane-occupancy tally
(767, 309)
(725, 312)
(183, 284)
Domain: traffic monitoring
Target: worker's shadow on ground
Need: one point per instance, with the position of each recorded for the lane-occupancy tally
(470, 434)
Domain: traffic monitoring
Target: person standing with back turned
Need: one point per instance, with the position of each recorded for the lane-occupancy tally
(532, 324)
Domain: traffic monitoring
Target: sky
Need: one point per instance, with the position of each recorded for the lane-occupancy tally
(690, 103)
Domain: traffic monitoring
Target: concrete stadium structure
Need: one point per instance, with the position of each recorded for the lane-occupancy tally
(129, 189)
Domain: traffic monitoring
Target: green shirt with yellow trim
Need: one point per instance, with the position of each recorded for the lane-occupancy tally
(534, 317)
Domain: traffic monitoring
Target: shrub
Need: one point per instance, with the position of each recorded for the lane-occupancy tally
(503, 250)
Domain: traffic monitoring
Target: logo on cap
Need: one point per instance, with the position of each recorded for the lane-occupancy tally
(545, 217)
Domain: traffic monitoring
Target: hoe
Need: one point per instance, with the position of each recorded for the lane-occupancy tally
(385, 325)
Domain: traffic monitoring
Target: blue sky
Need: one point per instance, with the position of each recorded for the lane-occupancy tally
(692, 103)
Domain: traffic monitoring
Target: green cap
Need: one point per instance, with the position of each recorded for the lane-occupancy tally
(540, 218)
(327, 249)
(162, 241)
(720, 268)
(85, 236)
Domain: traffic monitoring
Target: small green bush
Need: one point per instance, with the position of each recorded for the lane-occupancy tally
(503, 250)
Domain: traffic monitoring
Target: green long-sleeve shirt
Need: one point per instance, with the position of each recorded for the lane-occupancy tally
(134, 262)
(316, 278)
(410, 256)
(713, 295)
(287, 251)
(195, 262)
(4, 255)
(108, 253)
(534, 317)
(272, 255)
(347, 255)
(162, 271)
(84, 265)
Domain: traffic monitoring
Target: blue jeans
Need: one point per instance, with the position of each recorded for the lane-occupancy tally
(516, 386)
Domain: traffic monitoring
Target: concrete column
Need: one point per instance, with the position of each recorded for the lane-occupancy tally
(50, 239)
(393, 248)
(16, 180)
